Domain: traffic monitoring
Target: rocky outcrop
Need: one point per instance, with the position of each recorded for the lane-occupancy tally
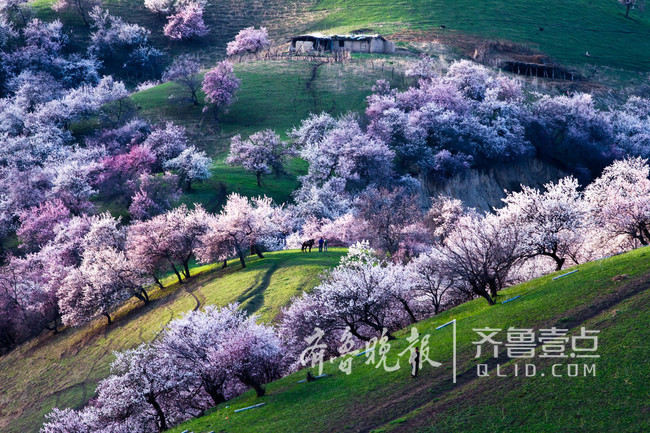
(483, 189)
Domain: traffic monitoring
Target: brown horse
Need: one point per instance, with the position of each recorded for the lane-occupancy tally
(307, 244)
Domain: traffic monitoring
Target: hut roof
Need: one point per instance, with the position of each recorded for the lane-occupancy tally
(355, 37)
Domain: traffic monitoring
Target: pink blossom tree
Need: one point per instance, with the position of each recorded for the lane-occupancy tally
(160, 7)
(167, 240)
(387, 213)
(252, 354)
(37, 223)
(243, 223)
(104, 280)
(72, 184)
(342, 160)
(192, 341)
(184, 70)
(298, 321)
(216, 245)
(145, 392)
(10, 10)
(220, 85)
(632, 4)
(28, 303)
(102, 231)
(442, 216)
(69, 240)
(155, 194)
(150, 245)
(361, 295)
(424, 69)
(120, 171)
(249, 40)
(66, 421)
(166, 142)
(262, 153)
(111, 35)
(187, 23)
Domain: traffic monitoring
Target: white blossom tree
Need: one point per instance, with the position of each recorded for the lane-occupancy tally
(192, 165)
(553, 222)
(619, 199)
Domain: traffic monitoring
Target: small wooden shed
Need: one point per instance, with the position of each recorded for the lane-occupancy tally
(351, 43)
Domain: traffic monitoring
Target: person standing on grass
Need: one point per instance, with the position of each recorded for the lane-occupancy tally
(325, 245)
(414, 360)
(320, 245)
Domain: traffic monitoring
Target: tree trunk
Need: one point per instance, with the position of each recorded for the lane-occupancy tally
(645, 235)
(483, 293)
(178, 275)
(225, 264)
(161, 415)
(354, 332)
(627, 11)
(216, 396)
(195, 100)
(158, 282)
(488, 297)
(186, 269)
(255, 250)
(259, 389)
(493, 289)
(241, 259)
(559, 261)
(108, 318)
(259, 178)
(54, 327)
(409, 311)
(145, 296)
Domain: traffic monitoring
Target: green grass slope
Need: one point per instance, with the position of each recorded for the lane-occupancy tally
(608, 295)
(62, 370)
(570, 29)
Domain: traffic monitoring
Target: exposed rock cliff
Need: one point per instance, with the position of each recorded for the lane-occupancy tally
(484, 189)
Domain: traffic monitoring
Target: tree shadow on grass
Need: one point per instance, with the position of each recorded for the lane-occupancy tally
(253, 297)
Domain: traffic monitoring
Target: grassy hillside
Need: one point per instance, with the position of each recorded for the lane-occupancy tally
(276, 95)
(570, 29)
(62, 370)
(608, 295)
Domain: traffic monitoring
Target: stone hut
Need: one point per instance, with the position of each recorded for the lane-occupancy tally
(351, 43)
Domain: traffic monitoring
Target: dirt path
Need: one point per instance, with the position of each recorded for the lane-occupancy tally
(310, 83)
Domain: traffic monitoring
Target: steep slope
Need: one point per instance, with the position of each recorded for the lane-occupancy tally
(62, 370)
(609, 295)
